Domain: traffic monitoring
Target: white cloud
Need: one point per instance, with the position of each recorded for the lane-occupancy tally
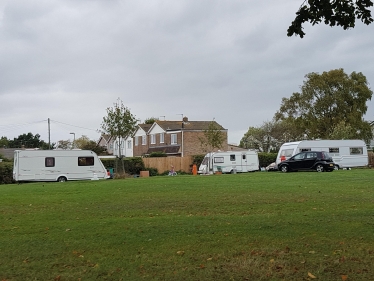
(228, 60)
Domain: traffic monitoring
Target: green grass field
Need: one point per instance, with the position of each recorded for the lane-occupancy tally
(256, 226)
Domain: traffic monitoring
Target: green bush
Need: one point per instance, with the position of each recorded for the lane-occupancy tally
(6, 172)
(132, 165)
(152, 171)
(197, 159)
(266, 158)
(158, 154)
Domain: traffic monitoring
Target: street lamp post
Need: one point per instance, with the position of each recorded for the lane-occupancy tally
(73, 140)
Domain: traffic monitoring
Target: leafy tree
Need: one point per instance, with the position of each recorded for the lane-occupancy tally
(326, 100)
(266, 138)
(64, 144)
(150, 120)
(120, 123)
(4, 142)
(213, 137)
(343, 131)
(81, 142)
(28, 141)
(332, 12)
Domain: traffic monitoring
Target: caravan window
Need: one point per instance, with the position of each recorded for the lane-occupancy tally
(334, 150)
(243, 156)
(286, 152)
(356, 150)
(218, 160)
(305, 149)
(85, 161)
(232, 157)
(49, 161)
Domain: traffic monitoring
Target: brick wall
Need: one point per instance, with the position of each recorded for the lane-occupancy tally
(140, 149)
(192, 143)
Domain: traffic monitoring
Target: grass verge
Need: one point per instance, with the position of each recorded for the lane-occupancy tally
(256, 226)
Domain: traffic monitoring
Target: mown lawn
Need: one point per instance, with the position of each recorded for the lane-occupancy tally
(256, 226)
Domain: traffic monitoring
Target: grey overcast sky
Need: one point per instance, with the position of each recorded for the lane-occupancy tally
(230, 60)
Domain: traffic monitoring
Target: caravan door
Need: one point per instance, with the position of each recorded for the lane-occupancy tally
(244, 162)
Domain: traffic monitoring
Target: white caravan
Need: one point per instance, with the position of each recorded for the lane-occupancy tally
(57, 165)
(345, 153)
(230, 162)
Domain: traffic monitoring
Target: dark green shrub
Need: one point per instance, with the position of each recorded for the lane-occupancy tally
(132, 165)
(152, 171)
(197, 159)
(166, 173)
(6, 172)
(158, 154)
(266, 158)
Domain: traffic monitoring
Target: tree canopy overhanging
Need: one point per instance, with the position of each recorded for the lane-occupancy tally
(329, 105)
(336, 12)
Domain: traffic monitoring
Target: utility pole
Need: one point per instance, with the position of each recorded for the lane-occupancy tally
(182, 133)
(49, 134)
(73, 140)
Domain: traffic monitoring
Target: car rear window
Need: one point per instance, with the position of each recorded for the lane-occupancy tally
(325, 155)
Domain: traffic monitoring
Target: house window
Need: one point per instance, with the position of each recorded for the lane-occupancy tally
(144, 140)
(49, 161)
(136, 141)
(129, 144)
(173, 138)
(85, 161)
(153, 139)
(356, 150)
(162, 137)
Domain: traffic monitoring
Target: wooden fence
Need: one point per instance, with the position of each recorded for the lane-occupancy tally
(371, 159)
(163, 164)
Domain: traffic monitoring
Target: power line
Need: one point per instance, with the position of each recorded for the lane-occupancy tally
(12, 127)
(73, 125)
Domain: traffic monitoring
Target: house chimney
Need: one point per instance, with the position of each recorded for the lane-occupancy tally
(185, 119)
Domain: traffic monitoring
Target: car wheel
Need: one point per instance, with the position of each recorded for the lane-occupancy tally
(61, 179)
(319, 168)
(284, 168)
(336, 167)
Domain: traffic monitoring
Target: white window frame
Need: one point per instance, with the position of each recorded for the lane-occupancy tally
(144, 140)
(129, 144)
(136, 141)
(173, 139)
(162, 138)
(153, 139)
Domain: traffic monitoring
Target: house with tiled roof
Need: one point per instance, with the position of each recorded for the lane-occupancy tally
(175, 138)
(111, 144)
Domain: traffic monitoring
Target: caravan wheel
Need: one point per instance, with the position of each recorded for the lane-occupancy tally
(61, 179)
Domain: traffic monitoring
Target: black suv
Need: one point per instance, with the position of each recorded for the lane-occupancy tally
(308, 160)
